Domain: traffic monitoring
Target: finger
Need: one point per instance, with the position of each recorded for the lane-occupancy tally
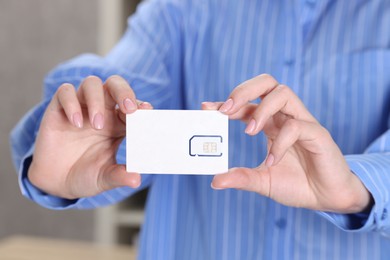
(141, 105)
(144, 105)
(121, 94)
(243, 179)
(243, 114)
(280, 99)
(310, 135)
(66, 99)
(211, 105)
(91, 94)
(248, 91)
(116, 176)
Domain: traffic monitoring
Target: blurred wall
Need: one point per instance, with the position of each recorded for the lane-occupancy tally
(34, 37)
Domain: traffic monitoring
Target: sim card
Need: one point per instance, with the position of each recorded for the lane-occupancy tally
(177, 142)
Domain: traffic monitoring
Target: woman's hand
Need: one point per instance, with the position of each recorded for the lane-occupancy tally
(79, 136)
(304, 166)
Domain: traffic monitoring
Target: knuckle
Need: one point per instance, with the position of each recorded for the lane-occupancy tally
(115, 80)
(324, 133)
(240, 87)
(284, 90)
(66, 87)
(118, 88)
(268, 78)
(90, 82)
(92, 79)
(241, 91)
(292, 124)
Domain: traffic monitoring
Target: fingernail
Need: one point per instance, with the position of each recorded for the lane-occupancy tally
(215, 188)
(226, 106)
(207, 105)
(135, 183)
(270, 160)
(77, 120)
(129, 105)
(98, 121)
(146, 104)
(250, 127)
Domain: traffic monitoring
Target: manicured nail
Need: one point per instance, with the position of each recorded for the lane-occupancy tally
(98, 121)
(77, 120)
(215, 188)
(226, 106)
(129, 105)
(270, 160)
(135, 183)
(250, 127)
(146, 104)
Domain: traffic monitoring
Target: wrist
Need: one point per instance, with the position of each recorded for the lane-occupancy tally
(361, 200)
(44, 183)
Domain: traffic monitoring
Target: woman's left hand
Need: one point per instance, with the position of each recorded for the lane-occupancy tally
(304, 166)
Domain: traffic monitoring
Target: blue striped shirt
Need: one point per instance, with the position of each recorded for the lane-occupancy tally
(334, 54)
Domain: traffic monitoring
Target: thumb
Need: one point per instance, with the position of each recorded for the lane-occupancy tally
(115, 176)
(243, 179)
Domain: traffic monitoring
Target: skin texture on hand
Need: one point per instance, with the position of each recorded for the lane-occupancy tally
(304, 166)
(79, 136)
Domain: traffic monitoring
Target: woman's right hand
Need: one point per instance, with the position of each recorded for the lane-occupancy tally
(79, 136)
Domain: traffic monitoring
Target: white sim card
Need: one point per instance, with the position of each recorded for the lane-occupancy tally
(177, 142)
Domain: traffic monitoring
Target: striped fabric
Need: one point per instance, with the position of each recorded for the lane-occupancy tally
(334, 54)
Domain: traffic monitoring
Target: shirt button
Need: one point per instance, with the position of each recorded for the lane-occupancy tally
(281, 223)
(289, 62)
(384, 214)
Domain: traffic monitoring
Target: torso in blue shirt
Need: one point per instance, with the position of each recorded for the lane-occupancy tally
(334, 54)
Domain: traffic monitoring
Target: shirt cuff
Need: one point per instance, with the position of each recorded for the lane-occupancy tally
(33, 193)
(373, 178)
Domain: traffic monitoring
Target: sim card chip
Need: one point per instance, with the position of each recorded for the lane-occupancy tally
(206, 145)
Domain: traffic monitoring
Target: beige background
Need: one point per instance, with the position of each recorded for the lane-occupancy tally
(34, 37)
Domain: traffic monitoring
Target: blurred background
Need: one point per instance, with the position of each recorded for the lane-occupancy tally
(34, 37)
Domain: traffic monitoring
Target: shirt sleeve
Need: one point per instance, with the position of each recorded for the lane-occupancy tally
(147, 56)
(373, 169)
